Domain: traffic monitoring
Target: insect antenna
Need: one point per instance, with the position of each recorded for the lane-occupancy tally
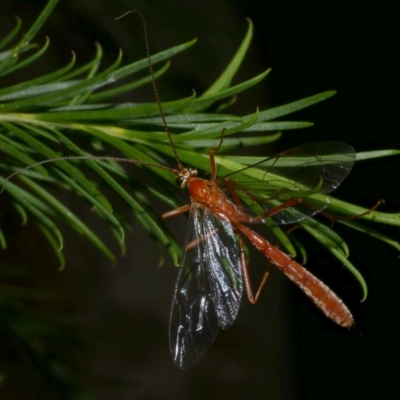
(121, 159)
(155, 90)
(101, 158)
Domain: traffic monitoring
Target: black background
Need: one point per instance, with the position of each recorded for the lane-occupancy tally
(283, 348)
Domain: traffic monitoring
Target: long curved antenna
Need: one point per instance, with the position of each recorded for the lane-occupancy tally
(120, 159)
(156, 94)
(102, 158)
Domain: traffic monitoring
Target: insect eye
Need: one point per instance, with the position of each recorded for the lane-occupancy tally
(180, 181)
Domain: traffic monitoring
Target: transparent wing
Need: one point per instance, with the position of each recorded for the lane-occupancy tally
(209, 287)
(299, 173)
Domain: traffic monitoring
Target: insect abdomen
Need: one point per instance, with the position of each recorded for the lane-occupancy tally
(324, 298)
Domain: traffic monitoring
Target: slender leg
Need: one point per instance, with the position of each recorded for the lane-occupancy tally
(212, 158)
(181, 210)
(249, 194)
(195, 242)
(234, 194)
(290, 203)
(177, 211)
(245, 271)
(292, 229)
(213, 165)
(350, 217)
(252, 299)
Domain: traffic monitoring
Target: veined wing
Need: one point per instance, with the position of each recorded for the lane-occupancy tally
(302, 172)
(208, 289)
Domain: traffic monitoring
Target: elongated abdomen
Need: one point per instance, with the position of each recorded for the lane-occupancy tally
(324, 298)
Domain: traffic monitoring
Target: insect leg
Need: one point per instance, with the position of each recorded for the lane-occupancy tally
(177, 211)
(212, 158)
(196, 242)
(286, 204)
(272, 211)
(333, 218)
(234, 194)
(245, 271)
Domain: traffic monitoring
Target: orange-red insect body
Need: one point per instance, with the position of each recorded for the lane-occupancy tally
(324, 298)
(209, 195)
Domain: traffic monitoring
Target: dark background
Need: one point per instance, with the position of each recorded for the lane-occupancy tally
(283, 348)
